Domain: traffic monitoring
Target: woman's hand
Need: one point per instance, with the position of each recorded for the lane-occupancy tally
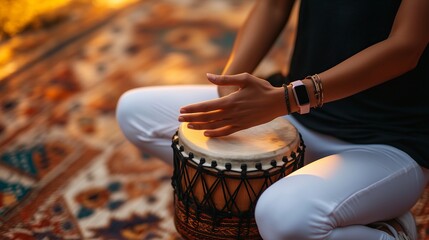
(254, 103)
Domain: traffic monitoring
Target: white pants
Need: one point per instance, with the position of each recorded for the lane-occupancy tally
(341, 188)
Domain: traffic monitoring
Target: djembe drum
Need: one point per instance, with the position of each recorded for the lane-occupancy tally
(217, 181)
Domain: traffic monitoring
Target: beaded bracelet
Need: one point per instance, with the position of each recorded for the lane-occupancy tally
(318, 89)
(318, 80)
(287, 98)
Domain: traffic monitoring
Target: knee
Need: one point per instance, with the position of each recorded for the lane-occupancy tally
(285, 222)
(291, 216)
(131, 114)
(124, 108)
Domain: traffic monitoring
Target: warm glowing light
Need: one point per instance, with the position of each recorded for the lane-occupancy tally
(113, 3)
(17, 14)
(24, 16)
(5, 54)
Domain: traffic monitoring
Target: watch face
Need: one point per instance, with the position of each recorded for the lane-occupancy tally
(301, 93)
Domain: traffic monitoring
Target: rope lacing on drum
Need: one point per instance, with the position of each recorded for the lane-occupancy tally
(184, 183)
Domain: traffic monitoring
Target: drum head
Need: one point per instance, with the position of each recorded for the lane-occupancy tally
(260, 144)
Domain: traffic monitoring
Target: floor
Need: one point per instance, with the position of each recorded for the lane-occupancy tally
(66, 171)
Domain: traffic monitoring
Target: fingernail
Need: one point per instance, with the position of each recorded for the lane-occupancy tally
(181, 119)
(191, 126)
(211, 76)
(182, 110)
(206, 134)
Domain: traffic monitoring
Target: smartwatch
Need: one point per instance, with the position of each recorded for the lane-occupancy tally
(301, 96)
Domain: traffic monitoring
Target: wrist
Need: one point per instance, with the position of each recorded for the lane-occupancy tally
(280, 97)
(301, 96)
(293, 104)
(310, 89)
(317, 92)
(289, 103)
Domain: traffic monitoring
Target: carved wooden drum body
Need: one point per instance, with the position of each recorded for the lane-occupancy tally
(217, 181)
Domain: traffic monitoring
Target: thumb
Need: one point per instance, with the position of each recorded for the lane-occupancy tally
(239, 80)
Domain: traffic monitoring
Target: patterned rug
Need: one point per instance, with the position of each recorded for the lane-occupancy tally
(66, 171)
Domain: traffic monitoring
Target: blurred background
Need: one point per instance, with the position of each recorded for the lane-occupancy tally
(66, 171)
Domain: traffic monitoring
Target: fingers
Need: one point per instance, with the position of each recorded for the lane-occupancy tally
(208, 125)
(240, 80)
(221, 117)
(206, 106)
(200, 117)
(213, 122)
(223, 131)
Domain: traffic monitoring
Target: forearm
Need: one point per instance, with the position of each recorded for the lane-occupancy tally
(260, 30)
(368, 68)
(385, 60)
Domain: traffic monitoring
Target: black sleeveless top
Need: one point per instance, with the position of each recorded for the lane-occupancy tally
(396, 112)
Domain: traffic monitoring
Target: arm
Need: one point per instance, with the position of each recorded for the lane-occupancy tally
(396, 55)
(260, 30)
(374, 65)
(390, 58)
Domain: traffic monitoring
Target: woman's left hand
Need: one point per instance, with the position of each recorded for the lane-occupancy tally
(254, 103)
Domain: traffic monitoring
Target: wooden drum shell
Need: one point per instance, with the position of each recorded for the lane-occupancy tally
(218, 201)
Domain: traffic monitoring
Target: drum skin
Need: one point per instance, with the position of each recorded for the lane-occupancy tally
(217, 181)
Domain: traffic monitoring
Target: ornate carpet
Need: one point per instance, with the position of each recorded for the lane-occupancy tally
(66, 171)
